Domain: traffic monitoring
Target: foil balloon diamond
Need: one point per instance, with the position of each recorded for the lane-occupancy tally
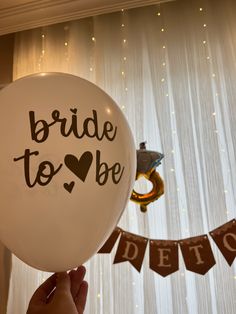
(147, 162)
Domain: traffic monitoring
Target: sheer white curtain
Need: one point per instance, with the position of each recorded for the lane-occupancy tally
(172, 69)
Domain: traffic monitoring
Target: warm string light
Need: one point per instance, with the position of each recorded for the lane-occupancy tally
(205, 42)
(164, 74)
(41, 57)
(213, 76)
(182, 203)
(92, 61)
(183, 208)
(66, 38)
(207, 57)
(124, 51)
(162, 30)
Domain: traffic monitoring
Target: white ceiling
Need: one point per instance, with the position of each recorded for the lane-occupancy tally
(17, 15)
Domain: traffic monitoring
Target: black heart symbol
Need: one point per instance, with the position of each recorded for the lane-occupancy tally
(79, 167)
(73, 110)
(69, 186)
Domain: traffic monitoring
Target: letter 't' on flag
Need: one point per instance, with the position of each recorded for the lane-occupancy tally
(164, 256)
(197, 254)
(131, 248)
(225, 239)
(108, 245)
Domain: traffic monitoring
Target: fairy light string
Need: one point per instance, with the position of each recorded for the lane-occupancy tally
(217, 114)
(42, 52)
(124, 58)
(66, 44)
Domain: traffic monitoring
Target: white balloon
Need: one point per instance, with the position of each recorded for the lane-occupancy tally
(68, 164)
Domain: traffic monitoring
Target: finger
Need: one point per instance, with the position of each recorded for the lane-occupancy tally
(44, 290)
(80, 300)
(59, 277)
(76, 277)
(63, 283)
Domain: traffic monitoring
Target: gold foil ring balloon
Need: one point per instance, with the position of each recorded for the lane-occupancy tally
(147, 161)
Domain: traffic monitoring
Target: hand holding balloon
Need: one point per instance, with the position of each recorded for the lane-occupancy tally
(61, 293)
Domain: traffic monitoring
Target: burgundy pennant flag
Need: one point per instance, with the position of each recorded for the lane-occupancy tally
(164, 258)
(131, 248)
(225, 239)
(108, 245)
(197, 254)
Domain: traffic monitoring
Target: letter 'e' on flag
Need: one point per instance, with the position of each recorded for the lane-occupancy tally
(163, 257)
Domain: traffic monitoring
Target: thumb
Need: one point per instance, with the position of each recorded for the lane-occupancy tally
(63, 283)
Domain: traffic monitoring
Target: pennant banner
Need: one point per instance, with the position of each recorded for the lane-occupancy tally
(108, 246)
(131, 248)
(163, 254)
(197, 254)
(225, 239)
(164, 258)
